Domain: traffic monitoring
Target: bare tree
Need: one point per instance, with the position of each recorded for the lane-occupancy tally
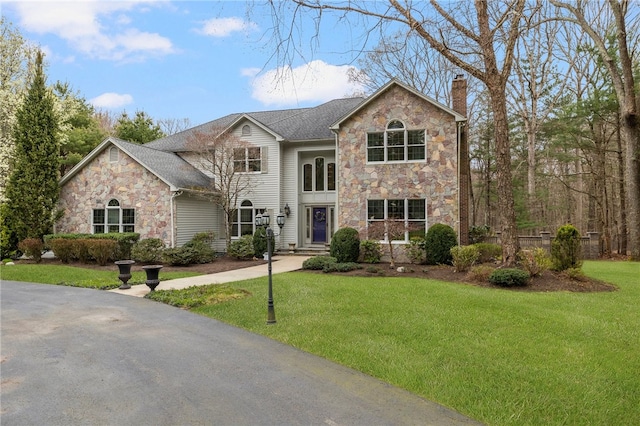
(480, 40)
(171, 126)
(225, 158)
(620, 67)
(388, 230)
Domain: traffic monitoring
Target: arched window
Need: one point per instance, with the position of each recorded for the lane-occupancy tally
(243, 220)
(396, 143)
(113, 218)
(113, 154)
(246, 130)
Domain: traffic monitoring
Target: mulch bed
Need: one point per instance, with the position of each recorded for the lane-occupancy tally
(548, 281)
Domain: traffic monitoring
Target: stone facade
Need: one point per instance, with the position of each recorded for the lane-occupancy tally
(434, 179)
(126, 181)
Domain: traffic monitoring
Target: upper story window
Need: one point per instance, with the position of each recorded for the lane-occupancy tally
(246, 130)
(113, 218)
(248, 159)
(319, 176)
(396, 143)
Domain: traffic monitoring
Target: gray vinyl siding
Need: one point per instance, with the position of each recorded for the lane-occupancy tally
(195, 215)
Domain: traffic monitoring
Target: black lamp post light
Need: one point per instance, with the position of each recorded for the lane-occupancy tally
(264, 220)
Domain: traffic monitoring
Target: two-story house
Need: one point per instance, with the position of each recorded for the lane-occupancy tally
(396, 154)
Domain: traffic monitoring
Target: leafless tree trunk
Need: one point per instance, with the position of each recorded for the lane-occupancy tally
(479, 40)
(621, 72)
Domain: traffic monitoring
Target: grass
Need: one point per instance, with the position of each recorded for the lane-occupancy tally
(77, 277)
(501, 357)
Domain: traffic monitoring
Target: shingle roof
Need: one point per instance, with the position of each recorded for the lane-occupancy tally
(167, 166)
(298, 124)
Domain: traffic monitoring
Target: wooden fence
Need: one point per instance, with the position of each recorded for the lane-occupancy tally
(590, 243)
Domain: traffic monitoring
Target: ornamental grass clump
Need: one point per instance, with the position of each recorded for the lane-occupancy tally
(534, 261)
(509, 277)
(464, 257)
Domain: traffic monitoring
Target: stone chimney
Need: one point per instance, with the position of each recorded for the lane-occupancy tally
(459, 94)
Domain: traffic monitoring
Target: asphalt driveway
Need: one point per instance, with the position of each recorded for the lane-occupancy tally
(73, 356)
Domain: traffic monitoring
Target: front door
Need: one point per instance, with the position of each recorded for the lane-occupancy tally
(319, 225)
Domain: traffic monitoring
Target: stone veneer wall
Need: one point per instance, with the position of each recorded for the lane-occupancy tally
(126, 181)
(435, 180)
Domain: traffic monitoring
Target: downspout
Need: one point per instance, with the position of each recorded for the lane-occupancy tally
(173, 229)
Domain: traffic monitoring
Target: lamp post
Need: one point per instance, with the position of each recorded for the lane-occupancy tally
(264, 220)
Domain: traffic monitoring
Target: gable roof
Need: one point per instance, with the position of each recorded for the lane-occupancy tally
(395, 82)
(297, 124)
(168, 167)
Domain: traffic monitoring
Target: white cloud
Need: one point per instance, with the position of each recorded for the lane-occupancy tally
(316, 81)
(96, 28)
(111, 100)
(223, 27)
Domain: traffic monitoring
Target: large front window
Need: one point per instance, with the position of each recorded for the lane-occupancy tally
(396, 144)
(247, 159)
(409, 213)
(113, 218)
(243, 219)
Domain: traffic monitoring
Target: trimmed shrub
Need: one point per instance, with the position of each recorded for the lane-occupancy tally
(148, 251)
(260, 242)
(242, 248)
(438, 242)
(416, 250)
(535, 261)
(345, 245)
(509, 277)
(62, 248)
(80, 250)
(565, 249)
(32, 247)
(341, 267)
(204, 237)
(489, 252)
(317, 263)
(179, 256)
(202, 252)
(371, 251)
(464, 257)
(102, 250)
(124, 240)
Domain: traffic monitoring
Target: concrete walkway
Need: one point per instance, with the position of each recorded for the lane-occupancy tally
(280, 264)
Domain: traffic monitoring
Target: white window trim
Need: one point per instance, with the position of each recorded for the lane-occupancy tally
(385, 147)
(406, 219)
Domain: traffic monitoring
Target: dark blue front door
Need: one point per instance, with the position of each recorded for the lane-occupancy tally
(319, 225)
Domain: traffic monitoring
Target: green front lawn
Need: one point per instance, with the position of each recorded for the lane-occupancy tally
(499, 356)
(77, 277)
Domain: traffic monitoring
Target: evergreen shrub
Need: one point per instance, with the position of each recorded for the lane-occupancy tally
(148, 251)
(438, 242)
(566, 251)
(102, 250)
(509, 277)
(62, 248)
(260, 242)
(345, 245)
(242, 248)
(318, 263)
(341, 267)
(371, 251)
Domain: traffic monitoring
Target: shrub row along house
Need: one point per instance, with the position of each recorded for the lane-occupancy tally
(395, 155)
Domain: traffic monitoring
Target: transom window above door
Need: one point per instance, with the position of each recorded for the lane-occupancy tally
(396, 144)
(319, 175)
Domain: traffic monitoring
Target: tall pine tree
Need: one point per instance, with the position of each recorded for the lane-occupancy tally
(32, 189)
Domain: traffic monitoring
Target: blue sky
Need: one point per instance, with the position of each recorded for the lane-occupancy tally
(181, 59)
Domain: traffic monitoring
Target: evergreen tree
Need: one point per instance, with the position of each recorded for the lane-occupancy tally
(32, 189)
(141, 129)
